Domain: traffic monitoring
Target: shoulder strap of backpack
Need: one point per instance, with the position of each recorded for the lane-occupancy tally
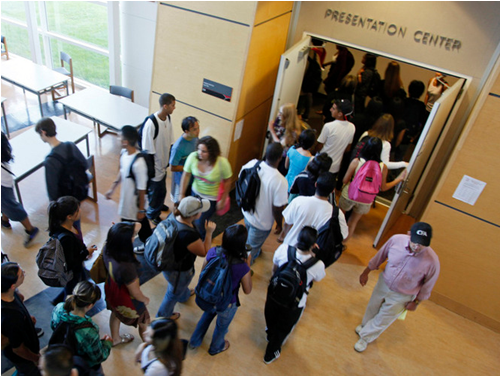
(8, 171)
(309, 263)
(291, 253)
(256, 165)
(155, 123)
(131, 174)
(83, 325)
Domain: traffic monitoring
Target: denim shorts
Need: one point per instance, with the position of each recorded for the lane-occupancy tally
(11, 207)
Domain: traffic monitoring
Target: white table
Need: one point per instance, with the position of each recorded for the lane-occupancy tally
(5, 118)
(104, 108)
(30, 151)
(32, 77)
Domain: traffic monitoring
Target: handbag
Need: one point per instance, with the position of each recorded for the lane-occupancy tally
(220, 193)
(98, 271)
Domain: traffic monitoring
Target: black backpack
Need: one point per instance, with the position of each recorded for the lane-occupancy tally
(330, 239)
(150, 164)
(355, 153)
(64, 334)
(288, 283)
(140, 131)
(73, 179)
(247, 188)
(51, 261)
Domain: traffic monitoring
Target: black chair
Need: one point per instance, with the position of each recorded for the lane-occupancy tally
(122, 91)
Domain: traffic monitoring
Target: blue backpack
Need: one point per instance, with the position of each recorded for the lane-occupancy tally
(214, 288)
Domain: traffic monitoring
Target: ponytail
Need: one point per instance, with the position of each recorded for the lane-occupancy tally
(85, 293)
(59, 210)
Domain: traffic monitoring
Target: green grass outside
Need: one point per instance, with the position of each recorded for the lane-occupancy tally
(77, 19)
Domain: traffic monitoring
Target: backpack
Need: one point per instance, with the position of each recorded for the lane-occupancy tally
(141, 128)
(367, 183)
(214, 288)
(330, 239)
(355, 153)
(288, 283)
(51, 262)
(375, 84)
(73, 179)
(64, 334)
(150, 164)
(247, 188)
(159, 247)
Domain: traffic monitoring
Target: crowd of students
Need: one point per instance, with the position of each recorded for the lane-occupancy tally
(298, 177)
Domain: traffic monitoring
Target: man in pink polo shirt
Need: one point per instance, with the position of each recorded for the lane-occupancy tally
(408, 279)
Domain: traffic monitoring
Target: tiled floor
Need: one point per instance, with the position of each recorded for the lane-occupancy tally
(431, 341)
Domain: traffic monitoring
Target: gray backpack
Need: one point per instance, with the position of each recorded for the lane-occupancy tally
(51, 262)
(159, 247)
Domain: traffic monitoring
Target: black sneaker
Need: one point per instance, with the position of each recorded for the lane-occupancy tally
(31, 236)
(139, 250)
(268, 359)
(6, 224)
(39, 331)
(164, 208)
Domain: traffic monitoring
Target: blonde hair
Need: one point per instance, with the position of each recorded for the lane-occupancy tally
(383, 128)
(291, 122)
(85, 293)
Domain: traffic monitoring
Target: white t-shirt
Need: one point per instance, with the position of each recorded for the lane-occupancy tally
(335, 137)
(273, 192)
(127, 206)
(314, 273)
(160, 146)
(385, 155)
(154, 367)
(7, 178)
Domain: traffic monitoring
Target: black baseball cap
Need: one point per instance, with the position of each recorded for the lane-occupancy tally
(421, 233)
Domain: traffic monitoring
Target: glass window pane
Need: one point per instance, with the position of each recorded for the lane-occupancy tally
(81, 20)
(13, 10)
(87, 65)
(17, 40)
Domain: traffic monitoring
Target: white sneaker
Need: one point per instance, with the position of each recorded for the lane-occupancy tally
(361, 345)
(139, 250)
(358, 329)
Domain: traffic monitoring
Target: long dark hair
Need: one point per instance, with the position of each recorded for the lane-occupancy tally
(306, 139)
(60, 209)
(119, 242)
(371, 151)
(167, 345)
(234, 239)
(6, 149)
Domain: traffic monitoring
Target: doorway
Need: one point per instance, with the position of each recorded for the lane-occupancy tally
(411, 196)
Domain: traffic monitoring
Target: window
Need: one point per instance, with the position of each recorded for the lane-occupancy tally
(14, 28)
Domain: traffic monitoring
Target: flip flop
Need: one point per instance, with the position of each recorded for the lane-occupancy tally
(175, 316)
(125, 338)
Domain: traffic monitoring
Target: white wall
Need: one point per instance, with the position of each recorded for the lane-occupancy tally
(137, 29)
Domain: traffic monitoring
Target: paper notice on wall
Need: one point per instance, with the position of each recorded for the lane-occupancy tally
(238, 130)
(469, 190)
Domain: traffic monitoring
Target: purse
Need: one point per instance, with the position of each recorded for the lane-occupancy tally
(98, 271)
(220, 193)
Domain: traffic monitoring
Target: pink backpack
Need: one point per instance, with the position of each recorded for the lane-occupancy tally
(367, 183)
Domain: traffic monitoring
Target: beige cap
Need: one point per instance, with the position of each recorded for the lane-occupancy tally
(190, 206)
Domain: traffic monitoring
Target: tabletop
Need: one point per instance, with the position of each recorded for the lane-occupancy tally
(107, 109)
(29, 150)
(32, 76)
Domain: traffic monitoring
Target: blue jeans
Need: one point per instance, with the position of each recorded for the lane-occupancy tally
(156, 198)
(255, 239)
(223, 321)
(179, 293)
(200, 223)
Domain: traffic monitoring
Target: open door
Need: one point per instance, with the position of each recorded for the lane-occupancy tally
(290, 75)
(409, 191)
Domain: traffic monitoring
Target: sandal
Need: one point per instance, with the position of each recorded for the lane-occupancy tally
(226, 346)
(125, 338)
(175, 316)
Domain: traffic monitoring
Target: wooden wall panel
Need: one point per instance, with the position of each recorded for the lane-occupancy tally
(469, 257)
(251, 142)
(479, 159)
(267, 44)
(266, 10)
(241, 11)
(190, 47)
